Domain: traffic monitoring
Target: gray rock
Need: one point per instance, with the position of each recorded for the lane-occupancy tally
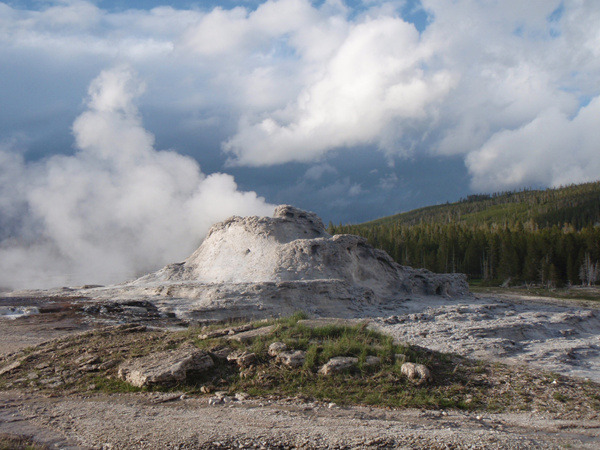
(164, 367)
(243, 359)
(87, 359)
(372, 361)
(55, 381)
(89, 367)
(292, 359)
(241, 396)
(276, 348)
(10, 367)
(135, 310)
(338, 364)
(249, 335)
(417, 373)
(229, 331)
(107, 365)
(241, 328)
(213, 334)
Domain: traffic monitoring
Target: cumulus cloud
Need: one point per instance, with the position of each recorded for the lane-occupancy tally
(369, 85)
(510, 66)
(551, 150)
(114, 209)
(479, 69)
(295, 80)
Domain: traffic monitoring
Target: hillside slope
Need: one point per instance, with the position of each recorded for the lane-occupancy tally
(549, 237)
(577, 205)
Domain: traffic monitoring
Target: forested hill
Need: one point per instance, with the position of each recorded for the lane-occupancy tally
(577, 205)
(551, 237)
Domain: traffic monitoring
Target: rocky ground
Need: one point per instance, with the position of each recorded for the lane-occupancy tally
(154, 420)
(554, 334)
(483, 327)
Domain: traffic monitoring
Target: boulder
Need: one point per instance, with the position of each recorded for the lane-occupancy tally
(164, 368)
(241, 396)
(338, 364)
(221, 352)
(243, 359)
(10, 367)
(276, 348)
(292, 359)
(417, 373)
(241, 328)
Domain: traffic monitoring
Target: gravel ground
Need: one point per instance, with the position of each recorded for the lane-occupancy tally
(143, 421)
(16, 334)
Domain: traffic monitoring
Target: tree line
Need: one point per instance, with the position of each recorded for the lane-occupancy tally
(548, 237)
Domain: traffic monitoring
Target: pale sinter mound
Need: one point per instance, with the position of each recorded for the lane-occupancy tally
(288, 262)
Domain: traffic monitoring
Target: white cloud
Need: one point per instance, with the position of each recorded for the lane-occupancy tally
(355, 190)
(551, 150)
(478, 69)
(503, 55)
(389, 182)
(318, 171)
(372, 81)
(115, 209)
(293, 81)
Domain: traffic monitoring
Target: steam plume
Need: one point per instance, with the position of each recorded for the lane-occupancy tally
(114, 209)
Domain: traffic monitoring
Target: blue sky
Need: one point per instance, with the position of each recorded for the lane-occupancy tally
(352, 109)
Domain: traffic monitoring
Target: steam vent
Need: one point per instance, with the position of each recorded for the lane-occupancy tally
(263, 266)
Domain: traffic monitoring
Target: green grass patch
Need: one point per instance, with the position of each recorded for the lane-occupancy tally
(111, 385)
(560, 397)
(381, 385)
(458, 382)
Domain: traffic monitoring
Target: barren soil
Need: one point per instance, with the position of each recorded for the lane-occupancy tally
(140, 421)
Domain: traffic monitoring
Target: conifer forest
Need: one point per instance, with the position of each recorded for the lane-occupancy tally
(544, 237)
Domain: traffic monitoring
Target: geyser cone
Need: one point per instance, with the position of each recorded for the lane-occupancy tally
(289, 262)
